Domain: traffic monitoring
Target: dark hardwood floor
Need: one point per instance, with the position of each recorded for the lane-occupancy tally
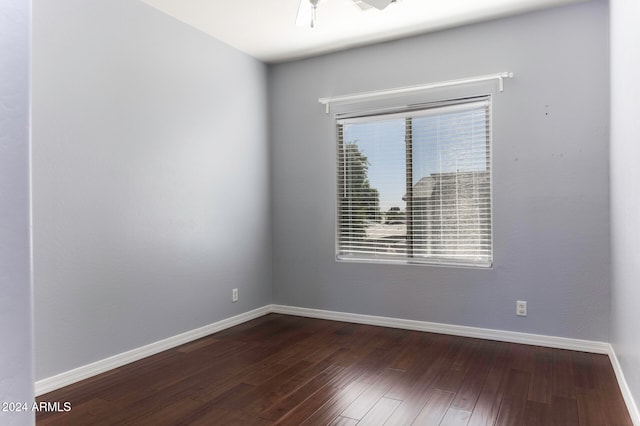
(290, 370)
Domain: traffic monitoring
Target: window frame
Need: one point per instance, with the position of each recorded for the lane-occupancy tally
(381, 114)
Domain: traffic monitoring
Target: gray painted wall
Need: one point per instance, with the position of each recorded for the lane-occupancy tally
(150, 180)
(551, 199)
(625, 199)
(16, 355)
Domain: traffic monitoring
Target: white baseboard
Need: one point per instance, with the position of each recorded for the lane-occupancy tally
(456, 330)
(84, 372)
(624, 388)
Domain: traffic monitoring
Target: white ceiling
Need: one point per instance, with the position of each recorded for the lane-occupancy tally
(265, 29)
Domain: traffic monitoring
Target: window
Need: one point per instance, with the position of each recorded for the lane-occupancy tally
(415, 185)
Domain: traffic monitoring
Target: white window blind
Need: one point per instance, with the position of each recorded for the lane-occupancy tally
(415, 185)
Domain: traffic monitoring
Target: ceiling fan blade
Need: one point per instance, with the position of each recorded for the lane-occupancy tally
(378, 4)
(306, 12)
(362, 5)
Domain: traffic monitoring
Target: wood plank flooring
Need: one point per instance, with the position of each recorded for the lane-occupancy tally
(289, 370)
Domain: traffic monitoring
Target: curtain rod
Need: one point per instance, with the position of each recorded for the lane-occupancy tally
(382, 93)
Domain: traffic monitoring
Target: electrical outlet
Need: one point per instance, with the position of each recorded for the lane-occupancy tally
(521, 308)
(234, 295)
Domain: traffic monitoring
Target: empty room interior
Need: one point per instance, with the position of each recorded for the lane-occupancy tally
(389, 212)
